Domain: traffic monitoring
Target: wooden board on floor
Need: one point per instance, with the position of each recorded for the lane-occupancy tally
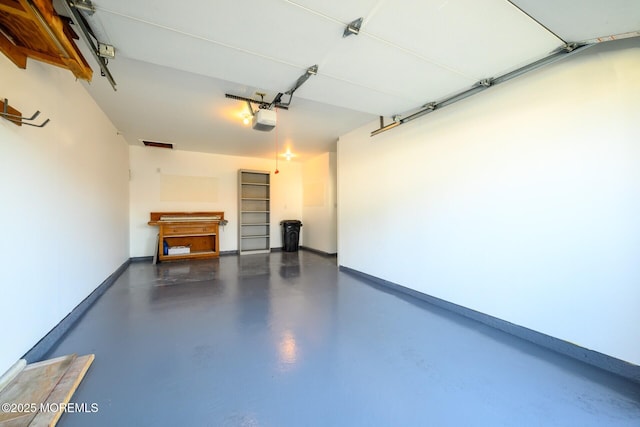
(61, 394)
(32, 386)
(51, 381)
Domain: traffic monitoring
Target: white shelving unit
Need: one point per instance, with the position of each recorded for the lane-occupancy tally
(255, 212)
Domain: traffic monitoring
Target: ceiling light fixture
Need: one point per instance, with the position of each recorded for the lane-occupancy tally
(288, 154)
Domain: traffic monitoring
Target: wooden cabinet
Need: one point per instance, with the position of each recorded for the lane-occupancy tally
(254, 196)
(193, 232)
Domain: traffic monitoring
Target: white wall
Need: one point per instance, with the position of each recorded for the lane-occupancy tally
(149, 164)
(64, 203)
(319, 230)
(521, 202)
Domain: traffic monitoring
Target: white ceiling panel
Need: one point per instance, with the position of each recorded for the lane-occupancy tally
(175, 61)
(376, 65)
(476, 38)
(582, 20)
(342, 11)
(337, 92)
(272, 29)
(198, 56)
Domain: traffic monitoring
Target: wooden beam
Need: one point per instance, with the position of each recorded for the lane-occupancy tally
(13, 52)
(32, 28)
(13, 8)
(55, 28)
(45, 57)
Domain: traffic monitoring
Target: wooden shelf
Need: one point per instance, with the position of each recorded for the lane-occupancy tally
(190, 235)
(191, 255)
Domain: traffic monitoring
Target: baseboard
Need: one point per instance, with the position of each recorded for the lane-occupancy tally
(150, 258)
(594, 358)
(49, 341)
(141, 259)
(319, 252)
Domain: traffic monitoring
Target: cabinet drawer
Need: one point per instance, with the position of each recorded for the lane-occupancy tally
(178, 229)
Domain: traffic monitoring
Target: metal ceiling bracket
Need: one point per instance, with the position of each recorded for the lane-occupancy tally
(426, 109)
(485, 83)
(84, 5)
(106, 51)
(384, 128)
(569, 47)
(353, 28)
(73, 9)
(311, 71)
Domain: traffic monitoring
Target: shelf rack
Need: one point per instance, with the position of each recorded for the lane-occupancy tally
(254, 197)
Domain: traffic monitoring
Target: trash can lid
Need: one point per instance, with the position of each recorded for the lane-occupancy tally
(291, 222)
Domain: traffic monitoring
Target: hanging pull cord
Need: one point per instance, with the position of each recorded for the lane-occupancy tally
(276, 153)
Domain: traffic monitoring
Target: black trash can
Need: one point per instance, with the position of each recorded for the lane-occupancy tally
(290, 234)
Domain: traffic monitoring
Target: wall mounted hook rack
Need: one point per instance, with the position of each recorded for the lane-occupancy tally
(16, 117)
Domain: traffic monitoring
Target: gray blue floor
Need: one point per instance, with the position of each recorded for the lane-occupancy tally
(288, 340)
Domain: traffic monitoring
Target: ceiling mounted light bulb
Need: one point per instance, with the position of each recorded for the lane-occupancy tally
(288, 154)
(245, 119)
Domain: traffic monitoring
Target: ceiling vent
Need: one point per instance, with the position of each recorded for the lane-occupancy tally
(264, 120)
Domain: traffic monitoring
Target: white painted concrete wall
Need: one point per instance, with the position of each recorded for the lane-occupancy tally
(64, 192)
(319, 203)
(522, 202)
(149, 164)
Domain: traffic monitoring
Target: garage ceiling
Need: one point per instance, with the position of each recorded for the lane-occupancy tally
(175, 61)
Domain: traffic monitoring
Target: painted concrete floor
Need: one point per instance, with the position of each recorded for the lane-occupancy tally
(288, 340)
